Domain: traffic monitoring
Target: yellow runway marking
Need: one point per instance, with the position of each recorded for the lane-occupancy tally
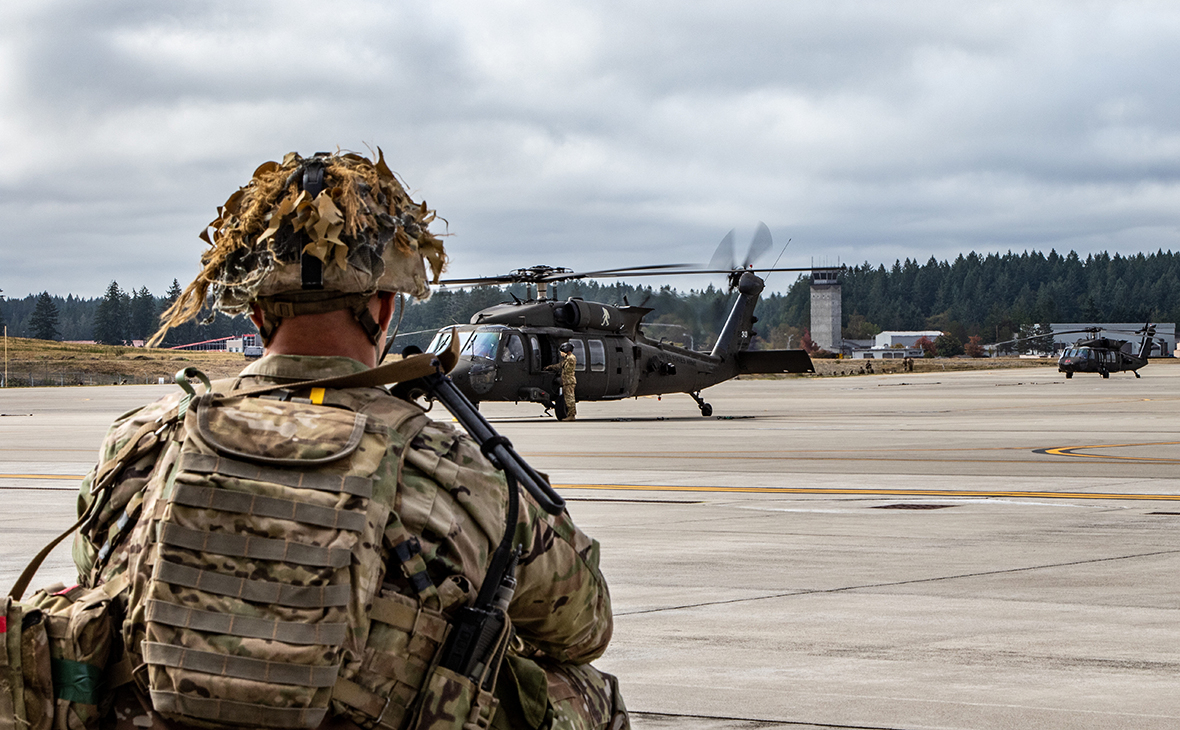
(1072, 451)
(883, 492)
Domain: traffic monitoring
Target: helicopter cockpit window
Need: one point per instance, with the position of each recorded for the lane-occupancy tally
(579, 354)
(482, 344)
(513, 349)
(597, 356)
(441, 341)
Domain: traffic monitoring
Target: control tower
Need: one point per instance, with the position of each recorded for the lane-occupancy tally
(825, 308)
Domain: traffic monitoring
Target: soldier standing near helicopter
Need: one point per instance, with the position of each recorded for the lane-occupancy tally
(568, 382)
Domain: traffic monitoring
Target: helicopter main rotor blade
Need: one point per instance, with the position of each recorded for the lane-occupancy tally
(723, 257)
(480, 280)
(653, 270)
(759, 245)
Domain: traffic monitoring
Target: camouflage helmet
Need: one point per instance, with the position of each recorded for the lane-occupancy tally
(313, 235)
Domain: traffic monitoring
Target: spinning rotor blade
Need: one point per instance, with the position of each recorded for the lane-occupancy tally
(654, 270)
(759, 245)
(723, 257)
(479, 280)
(760, 271)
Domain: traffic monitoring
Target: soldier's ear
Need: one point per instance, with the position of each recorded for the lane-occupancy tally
(385, 309)
(256, 316)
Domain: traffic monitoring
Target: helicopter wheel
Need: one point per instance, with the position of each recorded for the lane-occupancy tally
(1068, 374)
(1105, 374)
(706, 409)
(1136, 373)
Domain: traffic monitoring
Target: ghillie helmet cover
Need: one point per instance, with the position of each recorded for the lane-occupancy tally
(306, 231)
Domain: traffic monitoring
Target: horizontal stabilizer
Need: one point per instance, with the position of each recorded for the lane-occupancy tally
(751, 362)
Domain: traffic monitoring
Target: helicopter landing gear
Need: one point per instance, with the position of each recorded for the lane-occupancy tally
(1136, 373)
(559, 407)
(1105, 374)
(1068, 374)
(706, 409)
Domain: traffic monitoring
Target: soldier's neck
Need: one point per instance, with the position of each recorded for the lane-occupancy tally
(329, 334)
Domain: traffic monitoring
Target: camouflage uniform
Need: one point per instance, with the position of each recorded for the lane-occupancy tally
(561, 608)
(568, 382)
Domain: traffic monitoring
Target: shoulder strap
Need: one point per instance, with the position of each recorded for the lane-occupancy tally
(103, 480)
(397, 371)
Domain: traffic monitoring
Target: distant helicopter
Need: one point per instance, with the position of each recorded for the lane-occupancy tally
(506, 348)
(1105, 356)
(1102, 355)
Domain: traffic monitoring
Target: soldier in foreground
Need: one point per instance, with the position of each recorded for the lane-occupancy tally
(290, 548)
(565, 367)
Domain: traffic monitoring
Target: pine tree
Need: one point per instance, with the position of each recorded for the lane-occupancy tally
(110, 318)
(43, 323)
(143, 314)
(180, 334)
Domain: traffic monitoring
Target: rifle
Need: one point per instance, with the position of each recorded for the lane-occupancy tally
(478, 630)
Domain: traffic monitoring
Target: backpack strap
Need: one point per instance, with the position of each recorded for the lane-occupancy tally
(397, 371)
(104, 479)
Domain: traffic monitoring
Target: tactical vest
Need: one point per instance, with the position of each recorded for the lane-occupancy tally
(251, 558)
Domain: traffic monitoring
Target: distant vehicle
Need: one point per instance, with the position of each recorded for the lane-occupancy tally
(1104, 356)
(506, 348)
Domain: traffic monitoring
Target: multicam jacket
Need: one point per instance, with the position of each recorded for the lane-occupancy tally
(565, 369)
(438, 486)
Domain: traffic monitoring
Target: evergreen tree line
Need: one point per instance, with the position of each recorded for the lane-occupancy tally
(119, 317)
(992, 296)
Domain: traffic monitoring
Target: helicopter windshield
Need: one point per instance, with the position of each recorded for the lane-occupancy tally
(482, 344)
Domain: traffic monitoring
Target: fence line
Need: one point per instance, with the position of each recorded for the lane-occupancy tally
(62, 378)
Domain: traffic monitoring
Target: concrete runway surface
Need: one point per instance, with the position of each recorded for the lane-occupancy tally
(988, 549)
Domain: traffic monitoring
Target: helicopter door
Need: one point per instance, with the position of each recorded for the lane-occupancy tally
(512, 349)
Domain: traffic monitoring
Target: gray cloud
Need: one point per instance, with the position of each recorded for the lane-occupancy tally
(595, 134)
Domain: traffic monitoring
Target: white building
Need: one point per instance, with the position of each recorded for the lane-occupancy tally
(904, 339)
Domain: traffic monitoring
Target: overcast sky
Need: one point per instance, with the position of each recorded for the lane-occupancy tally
(595, 134)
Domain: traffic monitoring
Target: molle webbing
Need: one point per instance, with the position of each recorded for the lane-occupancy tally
(259, 506)
(236, 713)
(288, 632)
(255, 591)
(222, 466)
(253, 547)
(257, 670)
(250, 550)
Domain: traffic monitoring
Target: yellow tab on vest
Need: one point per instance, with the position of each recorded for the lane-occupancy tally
(317, 396)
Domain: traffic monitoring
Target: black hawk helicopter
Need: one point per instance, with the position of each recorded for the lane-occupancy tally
(1102, 355)
(506, 348)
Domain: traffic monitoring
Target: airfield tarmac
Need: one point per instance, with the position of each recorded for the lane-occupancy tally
(986, 549)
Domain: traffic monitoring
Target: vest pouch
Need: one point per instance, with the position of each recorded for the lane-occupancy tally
(26, 679)
(241, 604)
(80, 634)
(451, 701)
